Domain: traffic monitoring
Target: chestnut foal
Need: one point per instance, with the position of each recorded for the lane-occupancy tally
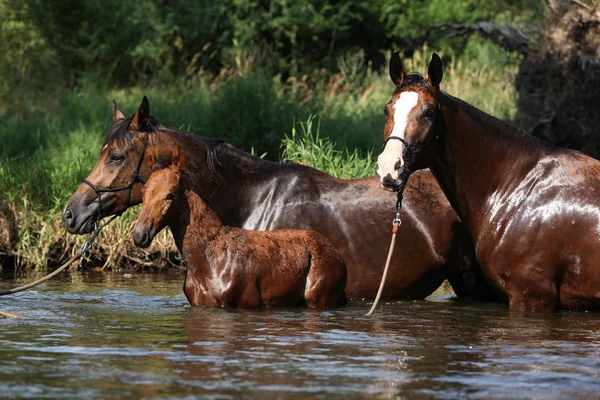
(233, 267)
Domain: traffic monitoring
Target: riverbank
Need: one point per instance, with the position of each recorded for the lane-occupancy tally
(49, 146)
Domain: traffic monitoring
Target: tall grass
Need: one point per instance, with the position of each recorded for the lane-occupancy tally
(47, 148)
(309, 148)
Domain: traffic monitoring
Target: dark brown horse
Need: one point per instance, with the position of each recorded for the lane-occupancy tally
(532, 209)
(234, 267)
(251, 193)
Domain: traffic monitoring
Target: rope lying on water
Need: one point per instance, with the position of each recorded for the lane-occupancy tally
(84, 250)
(42, 280)
(32, 284)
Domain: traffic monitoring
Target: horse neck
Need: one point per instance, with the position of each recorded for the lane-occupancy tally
(218, 170)
(481, 161)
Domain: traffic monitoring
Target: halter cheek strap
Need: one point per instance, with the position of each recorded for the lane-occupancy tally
(135, 178)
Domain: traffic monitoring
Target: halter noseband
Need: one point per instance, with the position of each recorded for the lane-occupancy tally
(135, 178)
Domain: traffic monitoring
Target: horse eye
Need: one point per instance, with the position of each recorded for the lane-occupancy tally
(385, 111)
(116, 158)
(429, 114)
(170, 196)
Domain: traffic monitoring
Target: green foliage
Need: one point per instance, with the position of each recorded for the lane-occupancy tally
(47, 45)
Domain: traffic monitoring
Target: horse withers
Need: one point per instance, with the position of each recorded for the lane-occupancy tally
(532, 209)
(233, 267)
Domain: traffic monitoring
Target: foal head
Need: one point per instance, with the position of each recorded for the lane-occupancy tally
(412, 114)
(161, 196)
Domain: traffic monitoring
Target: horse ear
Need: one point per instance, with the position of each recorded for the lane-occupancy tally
(178, 158)
(117, 114)
(141, 118)
(396, 69)
(150, 159)
(435, 71)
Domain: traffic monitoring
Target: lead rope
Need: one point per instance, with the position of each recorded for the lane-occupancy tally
(135, 178)
(395, 225)
(84, 250)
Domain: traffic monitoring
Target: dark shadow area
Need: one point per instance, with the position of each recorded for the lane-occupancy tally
(559, 83)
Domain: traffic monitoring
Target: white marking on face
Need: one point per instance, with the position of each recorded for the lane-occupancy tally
(104, 148)
(392, 154)
(403, 106)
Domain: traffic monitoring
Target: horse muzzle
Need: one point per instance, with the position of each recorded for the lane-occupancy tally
(143, 237)
(79, 222)
(396, 184)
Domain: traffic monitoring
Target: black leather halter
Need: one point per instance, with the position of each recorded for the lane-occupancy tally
(135, 178)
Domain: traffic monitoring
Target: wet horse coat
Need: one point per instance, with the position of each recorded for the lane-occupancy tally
(532, 209)
(251, 193)
(233, 267)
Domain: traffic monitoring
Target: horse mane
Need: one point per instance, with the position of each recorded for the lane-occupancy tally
(413, 79)
(506, 130)
(119, 131)
(224, 147)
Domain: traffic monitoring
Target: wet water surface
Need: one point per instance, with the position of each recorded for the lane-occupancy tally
(113, 335)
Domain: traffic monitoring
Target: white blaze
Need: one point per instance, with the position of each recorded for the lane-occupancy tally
(392, 154)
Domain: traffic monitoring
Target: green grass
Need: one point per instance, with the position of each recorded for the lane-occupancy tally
(309, 148)
(48, 147)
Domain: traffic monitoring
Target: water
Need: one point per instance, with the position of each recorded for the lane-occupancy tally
(99, 335)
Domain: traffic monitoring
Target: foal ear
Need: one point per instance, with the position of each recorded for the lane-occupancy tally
(117, 114)
(435, 71)
(150, 159)
(141, 118)
(178, 158)
(396, 69)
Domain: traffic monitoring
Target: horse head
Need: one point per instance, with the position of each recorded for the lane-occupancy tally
(115, 182)
(413, 118)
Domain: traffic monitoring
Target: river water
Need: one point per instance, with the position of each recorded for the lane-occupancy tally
(112, 335)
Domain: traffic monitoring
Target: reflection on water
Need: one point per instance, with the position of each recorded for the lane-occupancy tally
(113, 335)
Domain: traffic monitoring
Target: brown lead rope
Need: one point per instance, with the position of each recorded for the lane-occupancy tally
(86, 247)
(44, 279)
(395, 225)
(387, 266)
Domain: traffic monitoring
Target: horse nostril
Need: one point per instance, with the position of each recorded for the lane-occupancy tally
(144, 238)
(68, 217)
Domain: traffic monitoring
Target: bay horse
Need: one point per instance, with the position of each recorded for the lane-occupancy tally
(532, 209)
(234, 267)
(256, 194)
